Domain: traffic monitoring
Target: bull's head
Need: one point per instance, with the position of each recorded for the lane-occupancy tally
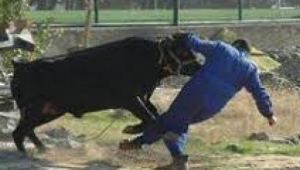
(179, 59)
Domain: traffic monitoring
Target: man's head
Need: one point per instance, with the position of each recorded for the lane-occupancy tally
(242, 44)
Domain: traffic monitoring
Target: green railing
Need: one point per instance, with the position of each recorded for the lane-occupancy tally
(175, 13)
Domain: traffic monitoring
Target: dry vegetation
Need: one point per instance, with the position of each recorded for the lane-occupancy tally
(241, 118)
(237, 121)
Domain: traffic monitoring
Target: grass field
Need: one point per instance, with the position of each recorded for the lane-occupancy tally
(209, 145)
(127, 16)
(233, 126)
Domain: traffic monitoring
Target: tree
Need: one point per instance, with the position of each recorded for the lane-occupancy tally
(88, 22)
(13, 11)
(10, 10)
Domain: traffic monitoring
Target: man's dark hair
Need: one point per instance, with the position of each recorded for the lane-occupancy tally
(242, 43)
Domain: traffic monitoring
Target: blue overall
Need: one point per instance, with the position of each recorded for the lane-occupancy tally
(224, 73)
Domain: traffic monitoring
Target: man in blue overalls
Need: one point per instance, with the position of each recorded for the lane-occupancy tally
(226, 71)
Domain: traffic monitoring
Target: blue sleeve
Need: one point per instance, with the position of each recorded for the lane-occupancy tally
(259, 93)
(196, 44)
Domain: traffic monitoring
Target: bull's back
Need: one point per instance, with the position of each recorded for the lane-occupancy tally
(102, 75)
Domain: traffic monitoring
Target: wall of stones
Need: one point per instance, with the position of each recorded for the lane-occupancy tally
(265, 35)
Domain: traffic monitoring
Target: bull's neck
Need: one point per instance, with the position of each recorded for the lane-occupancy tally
(163, 58)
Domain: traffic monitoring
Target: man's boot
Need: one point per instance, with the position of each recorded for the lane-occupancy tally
(178, 163)
(127, 145)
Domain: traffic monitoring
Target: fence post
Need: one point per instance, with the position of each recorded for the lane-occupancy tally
(176, 12)
(240, 9)
(96, 6)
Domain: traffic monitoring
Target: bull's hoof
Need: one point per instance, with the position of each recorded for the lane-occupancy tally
(133, 129)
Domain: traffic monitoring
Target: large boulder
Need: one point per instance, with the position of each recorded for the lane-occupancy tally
(290, 69)
(263, 60)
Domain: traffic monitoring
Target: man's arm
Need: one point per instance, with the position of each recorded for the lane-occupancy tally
(197, 44)
(261, 96)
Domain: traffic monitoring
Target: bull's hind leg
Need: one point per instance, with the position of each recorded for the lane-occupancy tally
(19, 135)
(31, 117)
(36, 141)
(26, 128)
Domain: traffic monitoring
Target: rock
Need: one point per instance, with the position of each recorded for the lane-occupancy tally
(224, 34)
(295, 56)
(6, 105)
(60, 133)
(233, 148)
(293, 139)
(262, 136)
(174, 81)
(61, 138)
(274, 80)
(10, 126)
(163, 97)
(8, 122)
(274, 56)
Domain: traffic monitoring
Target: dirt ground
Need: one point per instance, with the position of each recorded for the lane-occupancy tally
(96, 157)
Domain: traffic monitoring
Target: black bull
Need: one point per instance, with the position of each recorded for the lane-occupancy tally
(121, 74)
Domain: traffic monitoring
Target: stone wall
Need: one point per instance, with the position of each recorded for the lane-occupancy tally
(265, 35)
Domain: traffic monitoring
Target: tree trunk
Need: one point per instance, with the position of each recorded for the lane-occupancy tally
(88, 22)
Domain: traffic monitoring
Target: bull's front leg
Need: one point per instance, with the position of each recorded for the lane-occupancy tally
(146, 112)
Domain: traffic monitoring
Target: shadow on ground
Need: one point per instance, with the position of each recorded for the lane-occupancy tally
(288, 168)
(12, 159)
(99, 164)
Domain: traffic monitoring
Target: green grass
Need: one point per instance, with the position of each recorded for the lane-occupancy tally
(243, 146)
(94, 123)
(110, 16)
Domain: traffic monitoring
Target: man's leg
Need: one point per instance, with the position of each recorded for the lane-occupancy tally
(176, 147)
(175, 122)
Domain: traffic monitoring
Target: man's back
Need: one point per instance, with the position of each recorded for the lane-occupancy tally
(225, 72)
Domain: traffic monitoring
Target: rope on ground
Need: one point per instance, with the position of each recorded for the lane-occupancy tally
(101, 132)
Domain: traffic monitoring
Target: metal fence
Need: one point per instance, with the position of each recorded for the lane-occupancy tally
(163, 11)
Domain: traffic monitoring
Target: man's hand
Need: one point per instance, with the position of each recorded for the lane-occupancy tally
(272, 120)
